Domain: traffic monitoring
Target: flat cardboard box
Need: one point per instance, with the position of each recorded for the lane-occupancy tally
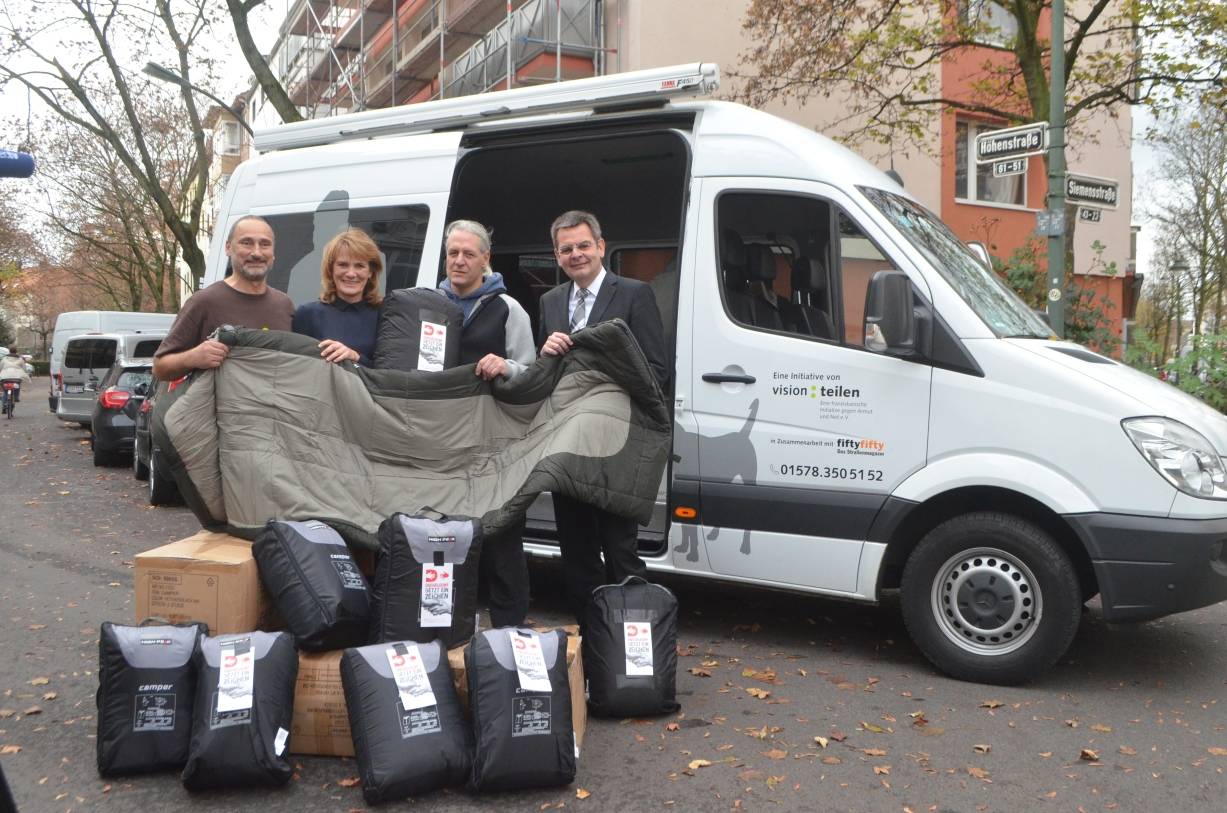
(321, 723)
(209, 577)
(575, 677)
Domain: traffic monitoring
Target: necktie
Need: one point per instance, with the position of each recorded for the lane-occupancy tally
(581, 309)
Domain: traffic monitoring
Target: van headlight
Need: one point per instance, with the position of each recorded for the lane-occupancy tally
(1180, 454)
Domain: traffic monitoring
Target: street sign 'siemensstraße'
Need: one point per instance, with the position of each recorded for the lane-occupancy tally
(1087, 190)
(1016, 142)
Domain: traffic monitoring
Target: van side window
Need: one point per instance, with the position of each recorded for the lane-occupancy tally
(399, 231)
(794, 264)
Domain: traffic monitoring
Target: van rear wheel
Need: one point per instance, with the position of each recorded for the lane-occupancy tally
(991, 598)
(162, 489)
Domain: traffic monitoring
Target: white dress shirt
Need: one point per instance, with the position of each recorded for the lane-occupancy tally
(594, 291)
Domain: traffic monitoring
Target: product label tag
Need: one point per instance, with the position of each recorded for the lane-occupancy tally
(280, 740)
(435, 609)
(530, 662)
(637, 637)
(153, 712)
(235, 684)
(410, 676)
(351, 577)
(431, 345)
(530, 715)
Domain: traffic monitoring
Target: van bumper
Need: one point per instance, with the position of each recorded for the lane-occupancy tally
(1148, 567)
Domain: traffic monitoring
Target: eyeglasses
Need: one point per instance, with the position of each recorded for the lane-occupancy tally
(568, 250)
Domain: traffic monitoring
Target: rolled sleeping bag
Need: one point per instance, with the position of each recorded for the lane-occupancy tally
(425, 585)
(146, 688)
(520, 703)
(418, 329)
(630, 649)
(243, 711)
(410, 734)
(315, 583)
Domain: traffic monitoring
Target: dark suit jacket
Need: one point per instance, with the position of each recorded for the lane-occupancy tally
(620, 298)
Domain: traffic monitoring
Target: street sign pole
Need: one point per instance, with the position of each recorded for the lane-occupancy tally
(1056, 173)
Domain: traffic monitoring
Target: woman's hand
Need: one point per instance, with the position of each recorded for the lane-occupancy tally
(334, 351)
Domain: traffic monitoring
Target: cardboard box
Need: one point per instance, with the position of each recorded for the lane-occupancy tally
(209, 577)
(575, 677)
(321, 722)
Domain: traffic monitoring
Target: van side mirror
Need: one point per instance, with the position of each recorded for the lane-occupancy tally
(890, 323)
(981, 252)
(140, 390)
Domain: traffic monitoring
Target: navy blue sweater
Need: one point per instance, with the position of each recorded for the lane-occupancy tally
(353, 325)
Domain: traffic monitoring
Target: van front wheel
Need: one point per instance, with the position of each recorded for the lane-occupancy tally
(990, 598)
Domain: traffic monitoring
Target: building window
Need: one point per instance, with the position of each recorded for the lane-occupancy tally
(229, 138)
(998, 25)
(1010, 190)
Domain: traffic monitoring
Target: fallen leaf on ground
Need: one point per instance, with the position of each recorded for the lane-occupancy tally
(822, 741)
(38, 626)
(749, 775)
(6, 713)
(1127, 751)
(831, 760)
(348, 782)
(876, 729)
(991, 704)
(1218, 752)
(873, 752)
(772, 781)
(695, 764)
(838, 735)
(10, 749)
(978, 773)
(580, 793)
(697, 672)
(761, 694)
(32, 711)
(775, 753)
(982, 748)
(881, 770)
(40, 681)
(1072, 723)
(1103, 729)
(50, 696)
(1089, 755)
(672, 727)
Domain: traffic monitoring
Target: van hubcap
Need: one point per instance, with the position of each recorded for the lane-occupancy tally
(986, 601)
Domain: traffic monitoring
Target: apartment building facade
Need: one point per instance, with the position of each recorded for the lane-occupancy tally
(338, 56)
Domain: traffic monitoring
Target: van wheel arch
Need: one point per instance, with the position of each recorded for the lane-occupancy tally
(903, 528)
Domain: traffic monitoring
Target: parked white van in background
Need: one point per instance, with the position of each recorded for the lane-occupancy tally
(860, 404)
(88, 358)
(74, 323)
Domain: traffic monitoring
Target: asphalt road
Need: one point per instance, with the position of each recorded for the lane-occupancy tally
(1130, 720)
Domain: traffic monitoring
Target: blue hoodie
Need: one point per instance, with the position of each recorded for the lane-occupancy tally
(490, 284)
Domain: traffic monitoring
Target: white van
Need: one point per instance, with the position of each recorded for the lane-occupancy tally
(87, 358)
(74, 323)
(860, 405)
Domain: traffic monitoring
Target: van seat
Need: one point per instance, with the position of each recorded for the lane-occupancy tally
(809, 287)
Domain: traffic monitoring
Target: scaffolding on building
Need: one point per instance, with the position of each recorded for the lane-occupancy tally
(341, 56)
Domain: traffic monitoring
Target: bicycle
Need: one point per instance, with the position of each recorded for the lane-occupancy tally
(11, 389)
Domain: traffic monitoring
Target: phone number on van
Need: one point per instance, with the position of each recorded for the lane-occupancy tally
(827, 472)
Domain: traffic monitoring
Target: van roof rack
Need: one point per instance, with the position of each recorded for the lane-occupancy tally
(619, 90)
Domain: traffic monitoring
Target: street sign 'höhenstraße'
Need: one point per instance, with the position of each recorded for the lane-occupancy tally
(1016, 142)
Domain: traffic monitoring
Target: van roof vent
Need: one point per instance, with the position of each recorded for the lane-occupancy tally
(619, 90)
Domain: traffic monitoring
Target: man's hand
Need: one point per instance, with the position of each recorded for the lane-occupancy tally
(209, 354)
(558, 344)
(491, 366)
(335, 352)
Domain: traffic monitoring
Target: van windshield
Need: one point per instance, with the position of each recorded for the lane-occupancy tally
(991, 299)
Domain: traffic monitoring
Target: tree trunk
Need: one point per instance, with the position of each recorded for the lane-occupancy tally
(272, 88)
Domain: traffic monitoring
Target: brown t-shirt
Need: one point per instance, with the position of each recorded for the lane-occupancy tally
(219, 304)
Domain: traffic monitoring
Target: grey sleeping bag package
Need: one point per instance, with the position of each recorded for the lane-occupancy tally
(146, 687)
(410, 735)
(315, 583)
(243, 711)
(520, 701)
(426, 579)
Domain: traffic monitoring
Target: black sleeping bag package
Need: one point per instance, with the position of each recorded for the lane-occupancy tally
(410, 734)
(418, 329)
(244, 705)
(520, 702)
(146, 687)
(426, 579)
(630, 650)
(315, 583)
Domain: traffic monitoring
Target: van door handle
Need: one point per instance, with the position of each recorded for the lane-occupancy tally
(728, 378)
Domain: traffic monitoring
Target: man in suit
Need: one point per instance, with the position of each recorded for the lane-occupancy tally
(593, 295)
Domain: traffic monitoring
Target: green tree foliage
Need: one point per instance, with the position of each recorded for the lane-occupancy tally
(884, 57)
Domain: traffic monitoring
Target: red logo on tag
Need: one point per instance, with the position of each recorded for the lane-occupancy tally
(429, 330)
(230, 661)
(398, 660)
(632, 631)
(519, 642)
(431, 574)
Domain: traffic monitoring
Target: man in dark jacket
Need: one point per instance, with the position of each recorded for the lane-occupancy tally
(496, 336)
(591, 296)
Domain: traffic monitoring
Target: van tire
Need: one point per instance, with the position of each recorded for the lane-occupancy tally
(162, 490)
(990, 598)
(139, 469)
(101, 458)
